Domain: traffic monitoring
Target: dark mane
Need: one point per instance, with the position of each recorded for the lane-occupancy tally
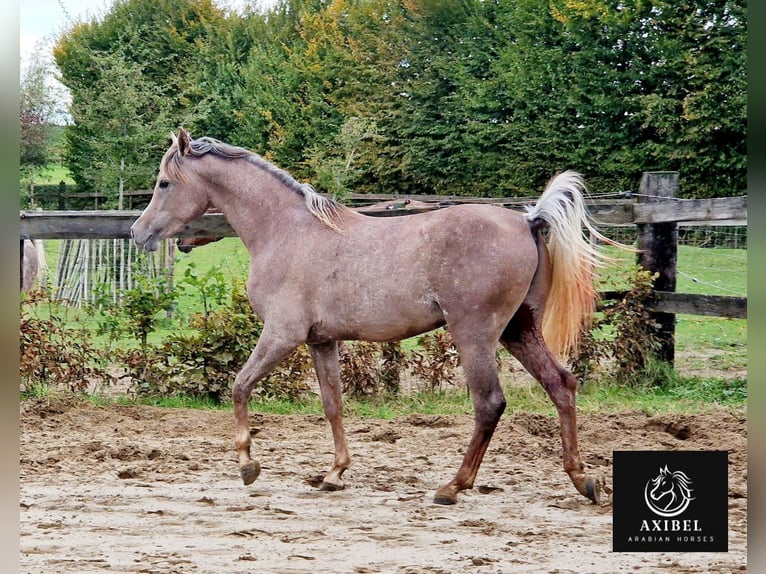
(326, 209)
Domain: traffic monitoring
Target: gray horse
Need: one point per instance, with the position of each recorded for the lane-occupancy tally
(32, 263)
(321, 273)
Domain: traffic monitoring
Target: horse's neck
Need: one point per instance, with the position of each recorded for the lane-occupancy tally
(260, 208)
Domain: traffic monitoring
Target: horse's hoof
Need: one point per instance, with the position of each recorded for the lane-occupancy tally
(249, 472)
(331, 486)
(593, 490)
(445, 497)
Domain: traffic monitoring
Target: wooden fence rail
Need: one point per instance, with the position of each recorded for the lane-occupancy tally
(655, 214)
(112, 224)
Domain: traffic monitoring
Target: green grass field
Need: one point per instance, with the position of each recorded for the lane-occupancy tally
(53, 173)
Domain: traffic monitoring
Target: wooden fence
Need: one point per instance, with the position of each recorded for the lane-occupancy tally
(654, 210)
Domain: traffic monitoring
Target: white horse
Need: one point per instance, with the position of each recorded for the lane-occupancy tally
(32, 263)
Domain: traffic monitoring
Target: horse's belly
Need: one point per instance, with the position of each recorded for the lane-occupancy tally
(386, 318)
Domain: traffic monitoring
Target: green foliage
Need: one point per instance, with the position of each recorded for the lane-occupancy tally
(129, 73)
(142, 307)
(210, 286)
(455, 97)
(38, 110)
(54, 356)
(121, 114)
(684, 395)
(622, 339)
(203, 360)
(725, 392)
(674, 394)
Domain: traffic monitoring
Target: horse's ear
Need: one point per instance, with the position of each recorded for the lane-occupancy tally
(183, 141)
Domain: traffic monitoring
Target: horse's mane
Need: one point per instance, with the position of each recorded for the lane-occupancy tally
(679, 478)
(327, 210)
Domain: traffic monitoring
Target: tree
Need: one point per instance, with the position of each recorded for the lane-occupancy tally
(464, 97)
(123, 122)
(39, 104)
(131, 79)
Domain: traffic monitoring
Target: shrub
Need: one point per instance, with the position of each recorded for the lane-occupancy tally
(622, 340)
(203, 360)
(437, 360)
(52, 355)
(371, 368)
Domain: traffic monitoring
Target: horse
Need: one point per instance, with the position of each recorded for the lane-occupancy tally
(321, 273)
(31, 263)
(670, 492)
(186, 244)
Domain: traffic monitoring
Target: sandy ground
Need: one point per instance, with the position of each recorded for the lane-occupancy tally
(152, 490)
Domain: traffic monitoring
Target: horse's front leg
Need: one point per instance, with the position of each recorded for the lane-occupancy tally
(327, 367)
(269, 352)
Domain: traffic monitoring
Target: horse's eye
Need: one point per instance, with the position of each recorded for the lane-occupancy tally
(164, 184)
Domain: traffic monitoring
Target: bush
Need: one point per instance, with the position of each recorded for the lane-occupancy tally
(203, 360)
(52, 355)
(371, 368)
(622, 340)
(438, 360)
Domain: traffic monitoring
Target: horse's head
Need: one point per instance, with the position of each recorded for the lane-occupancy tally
(180, 195)
(663, 484)
(672, 491)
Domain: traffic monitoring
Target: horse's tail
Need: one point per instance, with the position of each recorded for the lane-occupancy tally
(572, 297)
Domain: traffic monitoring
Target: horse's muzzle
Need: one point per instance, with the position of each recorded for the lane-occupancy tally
(145, 239)
(183, 248)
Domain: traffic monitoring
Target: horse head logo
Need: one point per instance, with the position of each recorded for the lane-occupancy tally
(669, 493)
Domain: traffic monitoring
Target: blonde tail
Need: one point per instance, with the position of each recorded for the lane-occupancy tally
(572, 297)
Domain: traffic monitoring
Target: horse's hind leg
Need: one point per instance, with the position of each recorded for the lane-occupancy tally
(480, 368)
(325, 357)
(523, 339)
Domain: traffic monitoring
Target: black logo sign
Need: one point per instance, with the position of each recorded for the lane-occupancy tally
(670, 501)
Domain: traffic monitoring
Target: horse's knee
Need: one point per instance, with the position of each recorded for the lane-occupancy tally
(240, 392)
(569, 380)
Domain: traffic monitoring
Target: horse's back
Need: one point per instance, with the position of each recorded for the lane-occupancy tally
(482, 257)
(465, 259)
(464, 237)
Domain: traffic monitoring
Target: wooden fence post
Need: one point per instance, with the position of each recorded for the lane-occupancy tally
(658, 243)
